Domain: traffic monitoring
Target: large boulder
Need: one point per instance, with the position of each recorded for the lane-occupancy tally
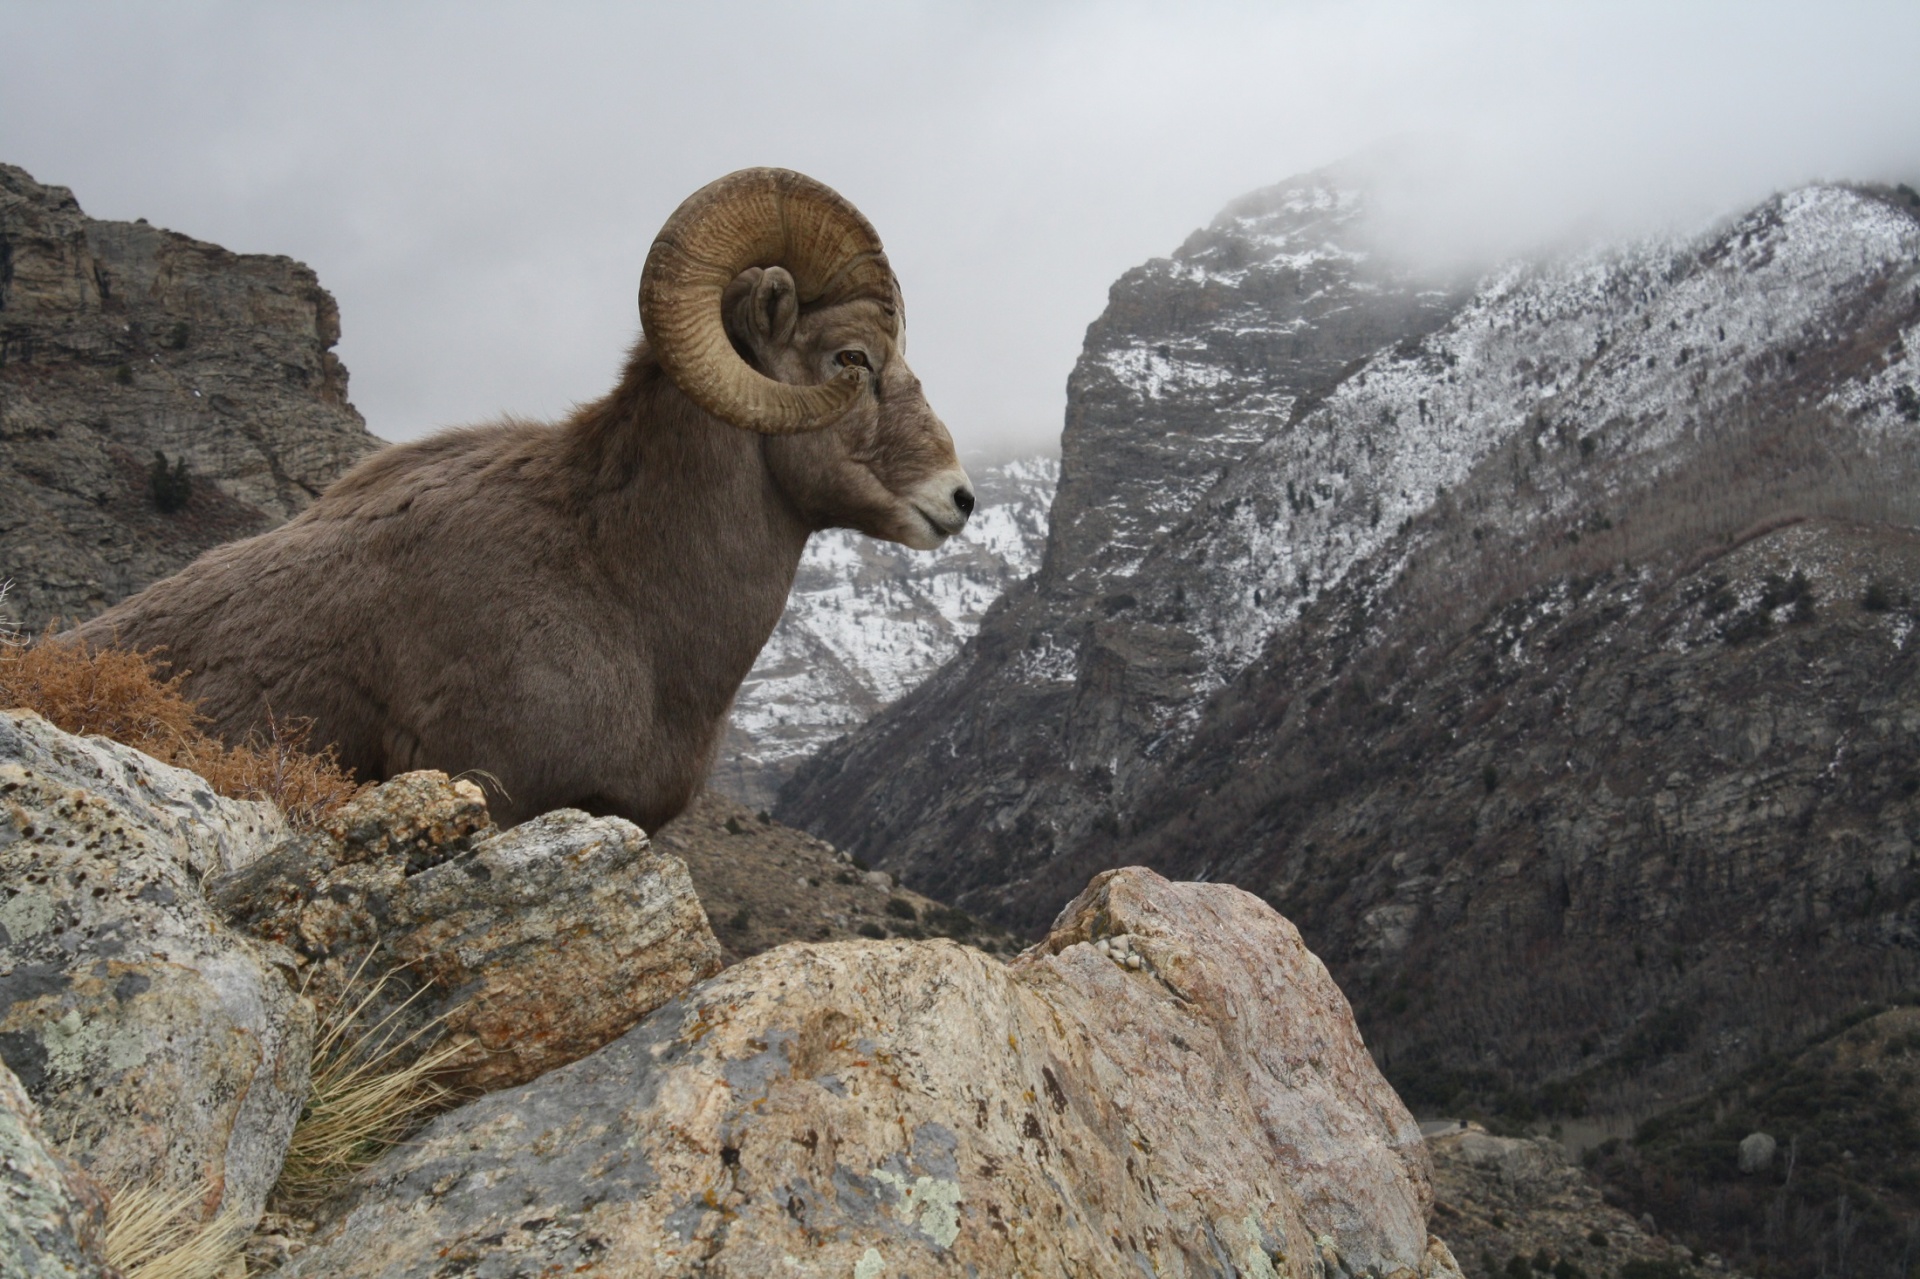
(528, 948)
(52, 1214)
(1170, 1084)
(162, 1046)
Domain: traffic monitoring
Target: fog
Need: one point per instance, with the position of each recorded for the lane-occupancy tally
(478, 184)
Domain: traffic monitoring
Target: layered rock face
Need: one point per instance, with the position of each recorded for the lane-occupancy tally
(1171, 1084)
(119, 341)
(1554, 672)
(869, 620)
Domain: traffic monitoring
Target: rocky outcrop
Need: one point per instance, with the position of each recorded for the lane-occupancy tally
(120, 342)
(1511, 1207)
(1171, 1080)
(1171, 1083)
(531, 947)
(868, 620)
(52, 1215)
(765, 884)
(164, 1047)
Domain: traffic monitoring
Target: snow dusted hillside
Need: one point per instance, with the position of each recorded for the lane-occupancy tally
(1599, 375)
(1199, 356)
(868, 620)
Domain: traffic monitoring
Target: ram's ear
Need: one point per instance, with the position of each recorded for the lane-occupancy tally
(762, 308)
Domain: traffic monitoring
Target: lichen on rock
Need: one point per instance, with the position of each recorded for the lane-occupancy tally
(533, 946)
(162, 1046)
(52, 1214)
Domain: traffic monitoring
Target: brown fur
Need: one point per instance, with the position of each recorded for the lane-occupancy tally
(563, 612)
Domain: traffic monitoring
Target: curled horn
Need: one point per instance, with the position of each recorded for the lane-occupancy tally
(757, 217)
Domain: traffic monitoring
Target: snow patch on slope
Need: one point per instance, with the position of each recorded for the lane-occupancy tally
(1626, 351)
(868, 620)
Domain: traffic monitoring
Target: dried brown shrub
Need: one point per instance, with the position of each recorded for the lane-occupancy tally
(119, 693)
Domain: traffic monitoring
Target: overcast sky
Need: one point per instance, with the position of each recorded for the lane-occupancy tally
(478, 183)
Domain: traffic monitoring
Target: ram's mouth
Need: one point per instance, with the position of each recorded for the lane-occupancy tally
(940, 529)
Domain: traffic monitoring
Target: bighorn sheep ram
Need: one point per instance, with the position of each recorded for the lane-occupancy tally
(566, 611)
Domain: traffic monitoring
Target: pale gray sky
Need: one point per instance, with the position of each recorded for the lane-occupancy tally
(478, 183)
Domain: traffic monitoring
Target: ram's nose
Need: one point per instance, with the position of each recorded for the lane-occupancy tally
(963, 500)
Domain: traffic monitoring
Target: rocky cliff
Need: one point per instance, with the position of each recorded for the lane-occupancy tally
(1553, 667)
(869, 620)
(121, 345)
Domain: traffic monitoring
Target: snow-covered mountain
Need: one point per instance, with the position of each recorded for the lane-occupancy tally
(868, 620)
(1243, 438)
(1544, 648)
(1196, 360)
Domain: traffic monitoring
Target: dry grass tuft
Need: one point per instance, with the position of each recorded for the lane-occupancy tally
(119, 693)
(155, 1234)
(368, 1092)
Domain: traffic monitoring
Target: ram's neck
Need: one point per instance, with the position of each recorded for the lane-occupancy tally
(683, 509)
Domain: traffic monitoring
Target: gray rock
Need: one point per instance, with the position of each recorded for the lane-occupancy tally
(915, 1109)
(52, 1215)
(534, 946)
(1756, 1152)
(208, 833)
(158, 1041)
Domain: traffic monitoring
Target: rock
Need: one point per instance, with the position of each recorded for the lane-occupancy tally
(204, 831)
(1756, 1152)
(53, 1216)
(165, 1047)
(917, 1108)
(536, 945)
(764, 883)
(120, 340)
(1496, 1198)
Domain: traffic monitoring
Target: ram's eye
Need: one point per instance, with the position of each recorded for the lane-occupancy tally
(853, 360)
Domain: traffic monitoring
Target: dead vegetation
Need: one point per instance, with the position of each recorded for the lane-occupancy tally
(153, 1233)
(372, 1084)
(120, 694)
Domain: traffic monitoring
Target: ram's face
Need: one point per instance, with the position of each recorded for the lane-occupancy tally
(886, 465)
